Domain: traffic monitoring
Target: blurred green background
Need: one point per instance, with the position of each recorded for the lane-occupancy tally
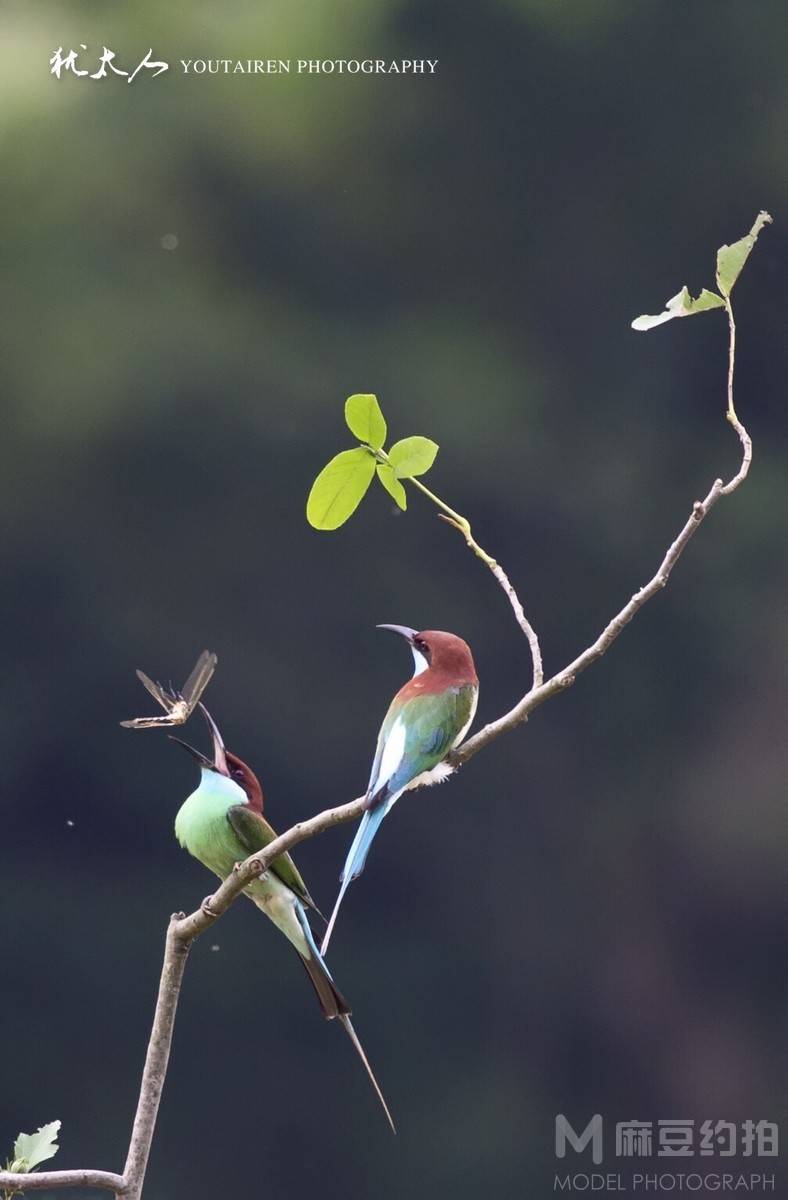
(592, 917)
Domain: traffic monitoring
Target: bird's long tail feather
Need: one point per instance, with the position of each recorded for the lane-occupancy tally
(331, 1000)
(355, 861)
(334, 1004)
(350, 1031)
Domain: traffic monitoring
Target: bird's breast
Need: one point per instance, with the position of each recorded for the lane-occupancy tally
(202, 828)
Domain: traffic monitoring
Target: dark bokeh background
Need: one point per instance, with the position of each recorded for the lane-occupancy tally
(593, 916)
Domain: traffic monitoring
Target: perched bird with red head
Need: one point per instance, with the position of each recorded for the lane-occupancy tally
(426, 720)
(222, 823)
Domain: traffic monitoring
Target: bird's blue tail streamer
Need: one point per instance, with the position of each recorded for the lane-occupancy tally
(356, 859)
(357, 855)
(310, 939)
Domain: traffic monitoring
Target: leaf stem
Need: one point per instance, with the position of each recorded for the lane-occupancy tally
(448, 514)
(731, 414)
(464, 526)
(461, 523)
(731, 358)
(458, 521)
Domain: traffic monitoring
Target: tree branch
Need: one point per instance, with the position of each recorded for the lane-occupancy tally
(188, 928)
(38, 1180)
(176, 951)
(743, 435)
(566, 677)
(463, 525)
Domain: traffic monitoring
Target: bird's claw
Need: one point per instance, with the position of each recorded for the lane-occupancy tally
(206, 909)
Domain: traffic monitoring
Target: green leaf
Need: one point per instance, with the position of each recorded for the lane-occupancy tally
(339, 488)
(392, 485)
(37, 1147)
(681, 305)
(365, 420)
(731, 259)
(412, 456)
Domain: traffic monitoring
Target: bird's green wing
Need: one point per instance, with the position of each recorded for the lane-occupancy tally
(434, 723)
(424, 728)
(254, 833)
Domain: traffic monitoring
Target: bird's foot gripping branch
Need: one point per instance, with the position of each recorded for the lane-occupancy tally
(334, 497)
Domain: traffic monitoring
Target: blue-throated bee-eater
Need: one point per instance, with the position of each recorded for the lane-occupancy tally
(426, 720)
(222, 823)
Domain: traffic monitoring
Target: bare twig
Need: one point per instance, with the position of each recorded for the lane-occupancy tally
(523, 622)
(744, 437)
(565, 678)
(462, 524)
(176, 951)
(38, 1180)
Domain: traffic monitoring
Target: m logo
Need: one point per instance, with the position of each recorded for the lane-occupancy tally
(578, 1141)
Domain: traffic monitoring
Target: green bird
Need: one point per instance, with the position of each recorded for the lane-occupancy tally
(425, 721)
(221, 824)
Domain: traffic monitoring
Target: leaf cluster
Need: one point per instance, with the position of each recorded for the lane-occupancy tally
(730, 260)
(342, 484)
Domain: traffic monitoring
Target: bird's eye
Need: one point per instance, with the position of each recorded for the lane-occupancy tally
(238, 774)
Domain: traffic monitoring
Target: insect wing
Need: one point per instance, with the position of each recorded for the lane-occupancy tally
(148, 722)
(199, 679)
(156, 690)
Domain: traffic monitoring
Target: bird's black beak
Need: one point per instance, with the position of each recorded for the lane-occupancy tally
(402, 630)
(201, 759)
(219, 757)
(219, 761)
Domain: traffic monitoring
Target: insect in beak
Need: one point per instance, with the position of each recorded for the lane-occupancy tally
(178, 706)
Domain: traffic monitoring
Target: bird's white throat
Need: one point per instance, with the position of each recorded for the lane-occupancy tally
(420, 662)
(219, 785)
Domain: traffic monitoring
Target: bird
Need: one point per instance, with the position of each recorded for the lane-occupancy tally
(426, 720)
(221, 823)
